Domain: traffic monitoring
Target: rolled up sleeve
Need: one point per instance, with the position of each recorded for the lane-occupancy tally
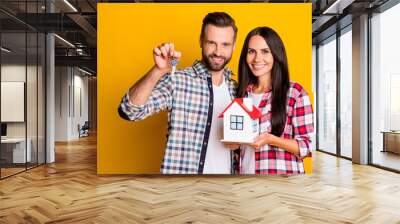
(160, 99)
(303, 123)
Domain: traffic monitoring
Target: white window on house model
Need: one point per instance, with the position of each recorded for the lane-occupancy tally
(255, 125)
(236, 122)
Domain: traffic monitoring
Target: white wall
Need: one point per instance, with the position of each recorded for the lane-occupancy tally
(71, 102)
(12, 101)
(62, 78)
(16, 73)
(81, 89)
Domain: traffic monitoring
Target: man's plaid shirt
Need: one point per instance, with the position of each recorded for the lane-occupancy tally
(188, 97)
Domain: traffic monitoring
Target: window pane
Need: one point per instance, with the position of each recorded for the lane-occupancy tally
(13, 86)
(31, 88)
(346, 94)
(233, 126)
(22, 62)
(327, 96)
(41, 98)
(255, 125)
(385, 88)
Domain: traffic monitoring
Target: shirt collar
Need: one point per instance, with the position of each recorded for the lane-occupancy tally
(265, 97)
(202, 70)
(250, 87)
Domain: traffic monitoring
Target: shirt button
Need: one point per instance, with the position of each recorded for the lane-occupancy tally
(210, 104)
(208, 123)
(201, 163)
(205, 143)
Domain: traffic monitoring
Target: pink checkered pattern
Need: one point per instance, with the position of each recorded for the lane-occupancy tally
(299, 126)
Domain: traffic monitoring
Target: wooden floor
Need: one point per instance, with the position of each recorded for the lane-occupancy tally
(9, 171)
(386, 159)
(69, 191)
(5, 172)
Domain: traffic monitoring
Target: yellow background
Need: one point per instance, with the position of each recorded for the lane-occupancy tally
(127, 33)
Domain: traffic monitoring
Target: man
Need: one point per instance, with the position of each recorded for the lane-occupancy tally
(194, 97)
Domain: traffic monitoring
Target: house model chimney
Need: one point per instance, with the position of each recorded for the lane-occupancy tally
(248, 103)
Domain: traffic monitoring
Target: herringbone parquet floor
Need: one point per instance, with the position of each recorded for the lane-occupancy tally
(69, 191)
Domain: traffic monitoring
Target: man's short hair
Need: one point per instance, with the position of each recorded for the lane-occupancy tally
(218, 19)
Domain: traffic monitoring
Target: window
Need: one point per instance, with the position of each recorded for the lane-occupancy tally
(255, 125)
(385, 88)
(236, 122)
(346, 93)
(327, 95)
(22, 65)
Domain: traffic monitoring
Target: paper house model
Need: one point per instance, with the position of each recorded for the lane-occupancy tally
(241, 121)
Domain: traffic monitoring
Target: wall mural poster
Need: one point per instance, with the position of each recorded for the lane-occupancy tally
(171, 90)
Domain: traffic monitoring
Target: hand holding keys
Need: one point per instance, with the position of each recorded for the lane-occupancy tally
(166, 58)
(173, 63)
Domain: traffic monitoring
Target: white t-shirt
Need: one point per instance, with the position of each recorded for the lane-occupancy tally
(218, 157)
(248, 163)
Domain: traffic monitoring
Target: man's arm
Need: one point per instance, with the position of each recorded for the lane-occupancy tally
(140, 92)
(152, 93)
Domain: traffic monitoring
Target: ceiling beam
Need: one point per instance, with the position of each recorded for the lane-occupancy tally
(84, 24)
(83, 61)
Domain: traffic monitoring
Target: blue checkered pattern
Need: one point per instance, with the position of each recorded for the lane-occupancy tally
(187, 95)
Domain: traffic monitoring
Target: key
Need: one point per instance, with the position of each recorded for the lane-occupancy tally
(173, 63)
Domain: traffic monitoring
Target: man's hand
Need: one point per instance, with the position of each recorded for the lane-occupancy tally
(232, 145)
(162, 56)
(140, 92)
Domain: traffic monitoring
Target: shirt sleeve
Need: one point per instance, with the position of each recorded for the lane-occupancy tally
(303, 123)
(160, 99)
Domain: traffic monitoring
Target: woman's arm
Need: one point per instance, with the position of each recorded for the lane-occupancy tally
(303, 126)
(289, 145)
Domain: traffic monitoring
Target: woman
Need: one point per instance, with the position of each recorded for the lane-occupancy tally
(287, 116)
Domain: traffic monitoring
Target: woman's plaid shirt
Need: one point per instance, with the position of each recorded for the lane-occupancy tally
(299, 126)
(188, 97)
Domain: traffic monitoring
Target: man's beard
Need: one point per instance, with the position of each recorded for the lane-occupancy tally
(207, 59)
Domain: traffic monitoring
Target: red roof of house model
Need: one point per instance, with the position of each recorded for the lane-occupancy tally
(254, 114)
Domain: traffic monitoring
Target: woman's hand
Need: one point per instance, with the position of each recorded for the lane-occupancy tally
(265, 138)
(261, 140)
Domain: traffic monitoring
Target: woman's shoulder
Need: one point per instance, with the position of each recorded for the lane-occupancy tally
(296, 89)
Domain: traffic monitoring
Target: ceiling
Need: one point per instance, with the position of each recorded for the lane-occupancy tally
(76, 22)
(72, 20)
